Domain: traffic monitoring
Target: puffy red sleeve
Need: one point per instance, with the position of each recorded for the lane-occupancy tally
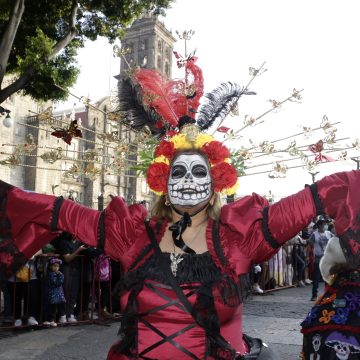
(29, 220)
(340, 197)
(115, 229)
(252, 230)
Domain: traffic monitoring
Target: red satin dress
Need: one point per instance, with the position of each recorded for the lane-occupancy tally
(250, 231)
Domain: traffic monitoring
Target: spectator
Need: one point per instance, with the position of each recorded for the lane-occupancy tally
(289, 269)
(103, 281)
(7, 312)
(34, 290)
(70, 249)
(86, 281)
(306, 234)
(319, 240)
(299, 255)
(116, 286)
(256, 276)
(54, 292)
(18, 287)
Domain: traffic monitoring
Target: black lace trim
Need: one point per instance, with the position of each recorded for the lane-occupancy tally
(143, 253)
(195, 268)
(10, 257)
(265, 228)
(317, 201)
(55, 215)
(217, 245)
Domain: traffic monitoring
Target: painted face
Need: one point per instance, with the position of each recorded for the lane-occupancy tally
(189, 181)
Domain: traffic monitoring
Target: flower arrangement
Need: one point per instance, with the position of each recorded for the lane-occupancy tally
(223, 174)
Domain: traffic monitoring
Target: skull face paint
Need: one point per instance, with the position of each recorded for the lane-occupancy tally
(189, 181)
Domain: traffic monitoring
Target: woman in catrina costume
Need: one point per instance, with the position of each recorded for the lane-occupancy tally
(186, 264)
(331, 330)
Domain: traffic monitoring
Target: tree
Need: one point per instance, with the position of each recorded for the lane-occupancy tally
(39, 39)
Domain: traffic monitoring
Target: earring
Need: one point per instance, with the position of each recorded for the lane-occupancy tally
(167, 203)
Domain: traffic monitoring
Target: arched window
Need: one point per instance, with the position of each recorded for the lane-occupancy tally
(159, 62)
(167, 52)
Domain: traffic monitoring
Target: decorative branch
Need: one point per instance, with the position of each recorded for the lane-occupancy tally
(254, 73)
(276, 104)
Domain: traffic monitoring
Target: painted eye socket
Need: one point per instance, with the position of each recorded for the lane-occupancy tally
(178, 171)
(199, 171)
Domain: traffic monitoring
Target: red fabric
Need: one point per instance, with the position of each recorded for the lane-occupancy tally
(340, 195)
(193, 340)
(30, 215)
(241, 239)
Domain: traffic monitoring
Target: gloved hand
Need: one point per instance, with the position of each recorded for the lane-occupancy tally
(333, 256)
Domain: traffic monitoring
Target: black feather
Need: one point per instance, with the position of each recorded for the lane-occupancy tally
(131, 106)
(219, 103)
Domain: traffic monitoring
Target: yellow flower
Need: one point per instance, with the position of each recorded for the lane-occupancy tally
(231, 190)
(158, 193)
(202, 139)
(327, 315)
(162, 159)
(180, 142)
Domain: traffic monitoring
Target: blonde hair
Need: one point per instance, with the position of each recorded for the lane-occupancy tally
(160, 209)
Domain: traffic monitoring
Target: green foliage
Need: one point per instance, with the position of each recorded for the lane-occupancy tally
(45, 22)
(238, 161)
(145, 156)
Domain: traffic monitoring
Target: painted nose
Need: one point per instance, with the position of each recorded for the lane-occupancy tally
(188, 176)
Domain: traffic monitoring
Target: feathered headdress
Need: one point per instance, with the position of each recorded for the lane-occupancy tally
(170, 109)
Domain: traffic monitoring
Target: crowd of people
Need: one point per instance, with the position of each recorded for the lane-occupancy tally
(297, 261)
(65, 282)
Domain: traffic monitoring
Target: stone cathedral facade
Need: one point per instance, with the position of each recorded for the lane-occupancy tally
(149, 44)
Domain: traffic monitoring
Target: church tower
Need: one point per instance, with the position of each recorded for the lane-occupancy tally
(148, 44)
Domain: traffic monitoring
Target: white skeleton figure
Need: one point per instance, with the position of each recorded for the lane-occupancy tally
(189, 181)
(343, 345)
(316, 342)
(342, 351)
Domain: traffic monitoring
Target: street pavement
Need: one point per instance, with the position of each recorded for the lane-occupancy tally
(274, 316)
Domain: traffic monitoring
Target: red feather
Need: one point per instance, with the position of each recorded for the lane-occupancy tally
(223, 129)
(162, 95)
(198, 83)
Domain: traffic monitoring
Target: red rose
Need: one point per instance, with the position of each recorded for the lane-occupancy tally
(157, 176)
(165, 148)
(159, 124)
(215, 151)
(170, 134)
(224, 176)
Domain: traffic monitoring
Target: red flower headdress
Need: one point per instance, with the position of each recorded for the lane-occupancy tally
(169, 109)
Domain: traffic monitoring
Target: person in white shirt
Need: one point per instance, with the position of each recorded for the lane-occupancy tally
(319, 239)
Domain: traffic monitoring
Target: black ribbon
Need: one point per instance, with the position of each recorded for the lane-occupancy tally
(178, 229)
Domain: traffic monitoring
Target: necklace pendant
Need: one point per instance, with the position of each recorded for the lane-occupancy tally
(175, 259)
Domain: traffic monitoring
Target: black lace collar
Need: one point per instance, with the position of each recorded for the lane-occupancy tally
(195, 268)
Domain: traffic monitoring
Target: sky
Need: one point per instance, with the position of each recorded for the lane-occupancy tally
(307, 45)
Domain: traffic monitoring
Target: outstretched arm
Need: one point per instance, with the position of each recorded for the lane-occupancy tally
(257, 229)
(29, 220)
